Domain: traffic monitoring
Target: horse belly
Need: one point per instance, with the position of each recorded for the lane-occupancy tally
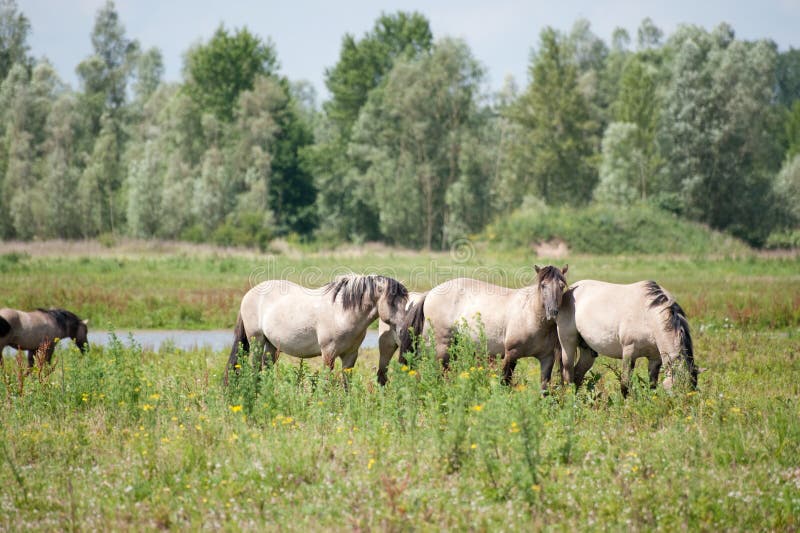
(299, 340)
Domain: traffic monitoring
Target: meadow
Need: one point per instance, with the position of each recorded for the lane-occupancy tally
(126, 438)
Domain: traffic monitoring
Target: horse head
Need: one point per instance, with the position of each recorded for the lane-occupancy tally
(551, 282)
(81, 337)
(392, 300)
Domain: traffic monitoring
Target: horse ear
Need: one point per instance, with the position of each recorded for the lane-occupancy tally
(537, 268)
(564, 270)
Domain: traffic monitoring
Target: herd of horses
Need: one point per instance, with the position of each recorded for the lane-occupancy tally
(548, 320)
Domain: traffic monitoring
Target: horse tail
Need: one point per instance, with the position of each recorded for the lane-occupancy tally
(239, 339)
(412, 327)
(5, 327)
(679, 324)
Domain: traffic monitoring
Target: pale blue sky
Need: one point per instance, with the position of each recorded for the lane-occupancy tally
(308, 34)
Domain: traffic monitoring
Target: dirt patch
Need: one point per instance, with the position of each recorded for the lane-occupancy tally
(556, 248)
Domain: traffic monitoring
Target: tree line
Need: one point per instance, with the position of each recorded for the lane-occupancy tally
(410, 148)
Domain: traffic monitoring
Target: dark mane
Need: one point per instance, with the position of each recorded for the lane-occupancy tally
(354, 289)
(549, 272)
(676, 321)
(66, 320)
(657, 295)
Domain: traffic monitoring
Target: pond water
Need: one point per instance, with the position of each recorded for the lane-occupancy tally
(215, 340)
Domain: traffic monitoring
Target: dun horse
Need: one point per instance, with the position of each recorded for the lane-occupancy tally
(516, 322)
(626, 322)
(39, 329)
(281, 316)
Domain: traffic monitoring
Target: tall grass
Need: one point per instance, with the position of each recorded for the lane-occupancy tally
(175, 291)
(122, 438)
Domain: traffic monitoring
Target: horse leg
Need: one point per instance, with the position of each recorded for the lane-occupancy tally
(546, 368)
(386, 347)
(442, 352)
(348, 362)
(653, 368)
(48, 352)
(627, 366)
(586, 360)
(31, 357)
(509, 364)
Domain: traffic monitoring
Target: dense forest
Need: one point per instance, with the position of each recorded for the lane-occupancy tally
(409, 149)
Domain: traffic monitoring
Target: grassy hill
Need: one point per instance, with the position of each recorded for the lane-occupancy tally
(600, 229)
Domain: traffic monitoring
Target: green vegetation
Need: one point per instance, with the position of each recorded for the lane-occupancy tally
(126, 439)
(601, 229)
(410, 148)
(179, 291)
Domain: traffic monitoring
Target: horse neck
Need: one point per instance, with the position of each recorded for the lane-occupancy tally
(534, 302)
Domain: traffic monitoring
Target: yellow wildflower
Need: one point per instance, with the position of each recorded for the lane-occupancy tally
(235, 408)
(412, 372)
(477, 408)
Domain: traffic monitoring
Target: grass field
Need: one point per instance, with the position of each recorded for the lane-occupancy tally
(122, 438)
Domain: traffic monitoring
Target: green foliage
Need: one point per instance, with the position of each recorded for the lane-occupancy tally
(345, 205)
(363, 64)
(716, 126)
(556, 140)
(787, 239)
(14, 30)
(414, 134)
(787, 191)
(248, 229)
(788, 76)
(228, 64)
(792, 130)
(126, 438)
(602, 229)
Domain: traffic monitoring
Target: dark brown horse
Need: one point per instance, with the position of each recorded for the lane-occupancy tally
(39, 329)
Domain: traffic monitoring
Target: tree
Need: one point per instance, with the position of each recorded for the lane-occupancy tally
(622, 178)
(105, 73)
(716, 125)
(637, 107)
(787, 71)
(25, 103)
(99, 205)
(218, 71)
(415, 134)
(558, 132)
(363, 64)
(61, 171)
(787, 190)
(149, 71)
(343, 207)
(145, 186)
(648, 35)
(14, 30)
(792, 131)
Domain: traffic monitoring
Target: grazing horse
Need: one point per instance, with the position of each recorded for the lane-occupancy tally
(32, 330)
(625, 322)
(388, 340)
(516, 322)
(281, 316)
